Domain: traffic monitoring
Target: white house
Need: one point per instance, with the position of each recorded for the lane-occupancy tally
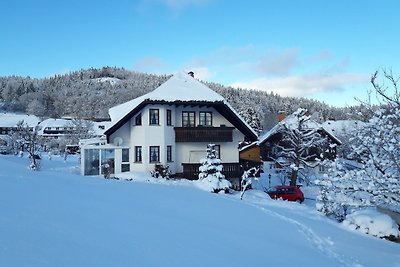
(171, 125)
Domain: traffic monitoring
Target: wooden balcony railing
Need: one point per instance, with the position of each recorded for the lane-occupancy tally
(230, 170)
(203, 134)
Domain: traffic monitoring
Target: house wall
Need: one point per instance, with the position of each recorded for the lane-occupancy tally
(251, 153)
(163, 135)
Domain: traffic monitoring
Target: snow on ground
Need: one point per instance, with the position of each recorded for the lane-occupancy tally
(54, 217)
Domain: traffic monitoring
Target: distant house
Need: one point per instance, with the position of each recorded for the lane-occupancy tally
(56, 128)
(9, 121)
(171, 125)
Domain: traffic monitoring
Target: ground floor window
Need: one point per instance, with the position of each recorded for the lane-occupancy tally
(154, 154)
(92, 162)
(217, 151)
(125, 155)
(107, 161)
(138, 154)
(125, 167)
(98, 161)
(169, 153)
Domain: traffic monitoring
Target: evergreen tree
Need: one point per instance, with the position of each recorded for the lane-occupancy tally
(210, 172)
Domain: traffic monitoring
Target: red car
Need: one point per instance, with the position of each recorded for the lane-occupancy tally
(290, 193)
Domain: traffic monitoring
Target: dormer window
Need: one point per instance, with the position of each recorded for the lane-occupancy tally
(205, 118)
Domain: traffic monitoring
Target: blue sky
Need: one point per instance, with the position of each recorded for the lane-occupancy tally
(326, 50)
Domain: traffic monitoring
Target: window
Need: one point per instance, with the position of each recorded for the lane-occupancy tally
(154, 117)
(205, 118)
(169, 153)
(125, 155)
(154, 154)
(138, 119)
(138, 154)
(188, 118)
(217, 149)
(125, 167)
(169, 117)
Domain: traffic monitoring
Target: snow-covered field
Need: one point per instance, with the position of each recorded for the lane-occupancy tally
(54, 217)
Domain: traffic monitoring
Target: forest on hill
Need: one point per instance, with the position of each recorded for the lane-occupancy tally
(90, 93)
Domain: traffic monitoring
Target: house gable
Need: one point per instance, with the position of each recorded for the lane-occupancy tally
(180, 89)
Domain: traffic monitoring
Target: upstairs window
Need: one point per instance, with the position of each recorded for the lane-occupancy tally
(188, 118)
(169, 117)
(205, 118)
(154, 117)
(138, 119)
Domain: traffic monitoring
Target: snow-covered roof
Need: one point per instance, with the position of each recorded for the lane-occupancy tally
(291, 122)
(181, 87)
(343, 127)
(11, 119)
(55, 123)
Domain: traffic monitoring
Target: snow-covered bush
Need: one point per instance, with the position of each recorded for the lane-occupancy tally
(210, 172)
(247, 179)
(372, 222)
(161, 171)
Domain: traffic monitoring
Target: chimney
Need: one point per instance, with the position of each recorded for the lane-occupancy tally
(191, 73)
(281, 115)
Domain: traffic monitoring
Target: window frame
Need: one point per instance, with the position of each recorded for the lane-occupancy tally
(217, 149)
(157, 150)
(169, 153)
(138, 119)
(203, 115)
(138, 154)
(191, 123)
(169, 117)
(156, 112)
(125, 155)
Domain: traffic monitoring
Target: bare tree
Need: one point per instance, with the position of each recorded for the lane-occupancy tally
(28, 138)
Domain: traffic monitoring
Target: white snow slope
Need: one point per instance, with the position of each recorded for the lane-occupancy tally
(54, 217)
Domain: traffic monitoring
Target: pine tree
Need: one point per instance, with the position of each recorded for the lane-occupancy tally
(210, 172)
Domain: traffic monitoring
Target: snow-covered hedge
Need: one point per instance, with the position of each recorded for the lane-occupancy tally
(372, 222)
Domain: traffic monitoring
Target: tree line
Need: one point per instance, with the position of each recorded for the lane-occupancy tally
(88, 94)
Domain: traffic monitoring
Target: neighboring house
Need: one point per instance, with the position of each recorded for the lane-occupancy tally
(56, 128)
(171, 125)
(9, 121)
(269, 141)
(267, 146)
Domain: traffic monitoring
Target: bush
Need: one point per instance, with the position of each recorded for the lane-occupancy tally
(161, 171)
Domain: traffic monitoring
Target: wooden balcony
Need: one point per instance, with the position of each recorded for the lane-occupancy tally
(203, 134)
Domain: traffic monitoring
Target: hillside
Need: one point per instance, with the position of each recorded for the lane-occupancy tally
(90, 93)
(55, 217)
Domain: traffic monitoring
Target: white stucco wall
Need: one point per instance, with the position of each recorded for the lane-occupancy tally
(163, 135)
